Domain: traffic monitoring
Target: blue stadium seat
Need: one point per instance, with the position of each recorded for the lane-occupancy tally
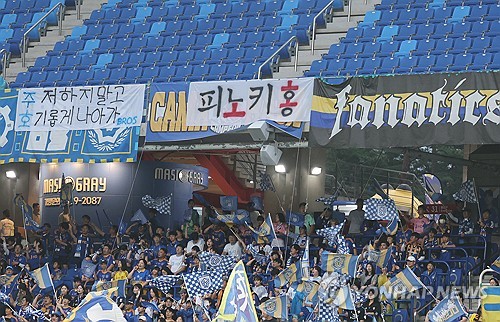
(459, 14)
(400, 316)
(388, 66)
(443, 62)
(406, 64)
(288, 22)
(461, 62)
(103, 60)
(142, 14)
(461, 45)
(370, 66)
(443, 45)
(388, 33)
(406, 48)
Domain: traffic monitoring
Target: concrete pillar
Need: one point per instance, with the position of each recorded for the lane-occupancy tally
(297, 184)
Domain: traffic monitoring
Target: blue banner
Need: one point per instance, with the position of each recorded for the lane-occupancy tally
(168, 111)
(92, 146)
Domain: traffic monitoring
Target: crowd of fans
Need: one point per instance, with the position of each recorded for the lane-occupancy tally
(150, 250)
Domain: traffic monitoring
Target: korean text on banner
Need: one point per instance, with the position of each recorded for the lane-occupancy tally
(79, 108)
(244, 102)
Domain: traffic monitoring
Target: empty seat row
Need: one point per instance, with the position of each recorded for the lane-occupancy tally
(417, 4)
(403, 65)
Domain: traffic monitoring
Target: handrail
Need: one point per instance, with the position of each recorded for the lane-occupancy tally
(4, 62)
(277, 52)
(349, 10)
(24, 44)
(78, 9)
(482, 261)
(314, 24)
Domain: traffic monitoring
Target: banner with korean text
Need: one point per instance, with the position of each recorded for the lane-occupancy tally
(90, 146)
(80, 108)
(244, 102)
(167, 117)
(407, 110)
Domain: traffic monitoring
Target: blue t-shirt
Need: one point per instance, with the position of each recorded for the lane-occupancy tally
(103, 276)
(141, 276)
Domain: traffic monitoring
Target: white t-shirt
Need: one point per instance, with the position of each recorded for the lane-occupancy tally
(176, 262)
(233, 250)
(190, 244)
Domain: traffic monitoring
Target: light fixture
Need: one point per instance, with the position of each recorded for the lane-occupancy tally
(316, 171)
(251, 181)
(280, 168)
(11, 174)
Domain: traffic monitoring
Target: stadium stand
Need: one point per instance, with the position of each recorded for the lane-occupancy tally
(417, 36)
(145, 41)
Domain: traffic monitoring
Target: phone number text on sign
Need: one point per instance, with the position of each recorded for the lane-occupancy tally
(86, 201)
(245, 102)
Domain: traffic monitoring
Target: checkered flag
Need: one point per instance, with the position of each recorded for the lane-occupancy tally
(327, 312)
(266, 183)
(224, 263)
(201, 283)
(342, 247)
(380, 209)
(161, 204)
(328, 201)
(164, 283)
(4, 298)
(331, 233)
(259, 258)
(467, 192)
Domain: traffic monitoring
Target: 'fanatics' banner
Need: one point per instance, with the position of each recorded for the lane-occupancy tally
(407, 110)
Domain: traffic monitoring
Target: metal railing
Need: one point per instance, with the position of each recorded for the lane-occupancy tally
(24, 43)
(278, 51)
(4, 62)
(78, 4)
(313, 36)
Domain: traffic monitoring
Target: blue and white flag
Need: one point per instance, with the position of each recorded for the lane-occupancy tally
(96, 306)
(390, 229)
(257, 203)
(27, 211)
(4, 298)
(222, 263)
(344, 298)
(119, 284)
(266, 183)
(165, 282)
(305, 262)
(380, 209)
(35, 314)
(202, 283)
(161, 204)
(88, 268)
(42, 277)
(259, 258)
(447, 310)
(467, 192)
(139, 216)
(276, 307)
(328, 201)
(331, 233)
(295, 219)
(229, 203)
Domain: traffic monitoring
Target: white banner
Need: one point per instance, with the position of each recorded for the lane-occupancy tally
(244, 102)
(79, 108)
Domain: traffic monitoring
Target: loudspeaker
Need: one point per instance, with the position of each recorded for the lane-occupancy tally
(259, 131)
(270, 155)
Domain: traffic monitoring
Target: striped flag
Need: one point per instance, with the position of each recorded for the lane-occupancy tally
(288, 275)
(276, 307)
(448, 309)
(304, 261)
(118, 284)
(309, 288)
(404, 282)
(390, 229)
(496, 265)
(340, 263)
(265, 233)
(42, 277)
(490, 303)
(343, 299)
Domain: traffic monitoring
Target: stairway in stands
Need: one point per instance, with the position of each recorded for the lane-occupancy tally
(335, 30)
(40, 48)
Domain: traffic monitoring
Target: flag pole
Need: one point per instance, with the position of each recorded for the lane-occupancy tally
(477, 199)
(353, 303)
(25, 231)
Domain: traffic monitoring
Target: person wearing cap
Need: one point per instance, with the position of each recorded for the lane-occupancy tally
(411, 263)
(128, 310)
(141, 313)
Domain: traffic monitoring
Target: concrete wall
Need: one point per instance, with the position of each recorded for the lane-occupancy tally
(25, 183)
(298, 163)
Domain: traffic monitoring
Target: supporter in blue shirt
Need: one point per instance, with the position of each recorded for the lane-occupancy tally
(172, 243)
(17, 260)
(64, 239)
(139, 272)
(103, 274)
(155, 247)
(186, 312)
(161, 261)
(430, 277)
(105, 256)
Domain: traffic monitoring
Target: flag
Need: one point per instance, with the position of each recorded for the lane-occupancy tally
(259, 258)
(66, 192)
(223, 263)
(289, 275)
(327, 312)
(496, 265)
(390, 229)
(27, 211)
(240, 218)
(490, 307)
(42, 277)
(237, 304)
(380, 258)
(342, 247)
(161, 204)
(295, 219)
(265, 233)
(276, 307)
(37, 315)
(304, 262)
(467, 192)
(404, 282)
(118, 284)
(257, 203)
(201, 283)
(309, 288)
(4, 298)
(266, 182)
(151, 305)
(447, 310)
(88, 268)
(343, 299)
(164, 283)
(139, 216)
(122, 229)
(201, 199)
(380, 209)
(9, 283)
(379, 190)
(328, 201)
(340, 263)
(96, 306)
(229, 203)
(330, 233)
